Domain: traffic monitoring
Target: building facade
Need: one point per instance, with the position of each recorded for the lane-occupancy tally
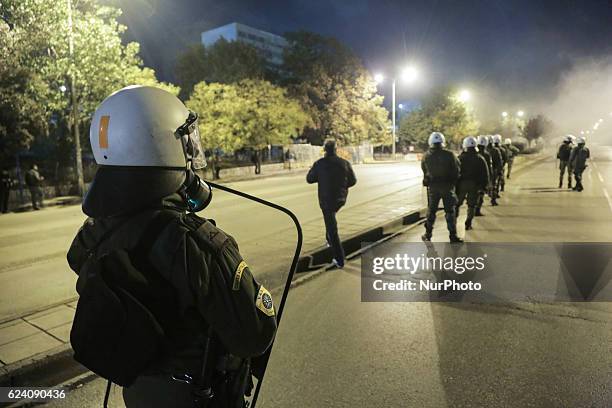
(270, 45)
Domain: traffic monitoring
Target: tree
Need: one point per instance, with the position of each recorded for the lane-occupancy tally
(441, 112)
(335, 89)
(225, 62)
(250, 113)
(536, 127)
(36, 34)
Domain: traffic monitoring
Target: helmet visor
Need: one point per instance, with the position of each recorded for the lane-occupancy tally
(189, 133)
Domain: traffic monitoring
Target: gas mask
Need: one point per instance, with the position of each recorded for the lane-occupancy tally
(196, 193)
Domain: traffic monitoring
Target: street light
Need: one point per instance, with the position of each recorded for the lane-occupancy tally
(505, 114)
(408, 75)
(464, 95)
(520, 113)
(62, 88)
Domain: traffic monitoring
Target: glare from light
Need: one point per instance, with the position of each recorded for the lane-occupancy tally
(596, 126)
(409, 74)
(505, 114)
(464, 95)
(520, 113)
(582, 132)
(401, 106)
(378, 78)
(600, 120)
(62, 88)
(588, 132)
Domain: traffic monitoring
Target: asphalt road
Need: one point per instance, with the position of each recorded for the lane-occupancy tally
(34, 273)
(333, 350)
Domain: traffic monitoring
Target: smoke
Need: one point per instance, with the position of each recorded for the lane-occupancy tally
(583, 101)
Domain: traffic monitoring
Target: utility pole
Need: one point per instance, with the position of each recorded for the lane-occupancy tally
(393, 115)
(75, 108)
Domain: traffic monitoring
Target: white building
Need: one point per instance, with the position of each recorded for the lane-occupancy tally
(269, 45)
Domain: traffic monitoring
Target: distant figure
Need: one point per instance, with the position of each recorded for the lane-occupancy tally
(256, 160)
(440, 175)
(578, 159)
(289, 158)
(335, 176)
(474, 177)
(563, 154)
(34, 182)
(497, 165)
(482, 151)
(501, 179)
(6, 182)
(512, 153)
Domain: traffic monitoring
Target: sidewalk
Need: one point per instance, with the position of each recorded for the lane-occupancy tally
(31, 339)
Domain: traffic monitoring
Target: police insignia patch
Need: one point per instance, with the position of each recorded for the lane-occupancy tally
(264, 302)
(238, 275)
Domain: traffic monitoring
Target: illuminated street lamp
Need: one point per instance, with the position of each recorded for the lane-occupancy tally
(520, 113)
(408, 75)
(464, 95)
(505, 114)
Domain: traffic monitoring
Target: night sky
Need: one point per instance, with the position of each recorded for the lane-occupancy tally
(518, 48)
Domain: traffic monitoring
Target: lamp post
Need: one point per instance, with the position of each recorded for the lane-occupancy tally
(409, 74)
(75, 109)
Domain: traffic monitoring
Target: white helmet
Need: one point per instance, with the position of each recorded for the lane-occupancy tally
(436, 137)
(580, 140)
(508, 141)
(147, 144)
(568, 138)
(136, 126)
(469, 141)
(496, 139)
(483, 140)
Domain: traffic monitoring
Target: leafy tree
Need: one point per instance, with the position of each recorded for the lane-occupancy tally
(225, 62)
(536, 127)
(250, 113)
(36, 33)
(441, 112)
(334, 88)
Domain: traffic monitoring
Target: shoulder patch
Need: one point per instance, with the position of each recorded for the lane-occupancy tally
(264, 302)
(238, 275)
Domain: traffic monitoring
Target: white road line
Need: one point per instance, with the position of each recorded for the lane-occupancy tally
(605, 191)
(600, 177)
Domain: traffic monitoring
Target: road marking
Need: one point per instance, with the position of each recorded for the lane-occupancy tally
(600, 176)
(608, 198)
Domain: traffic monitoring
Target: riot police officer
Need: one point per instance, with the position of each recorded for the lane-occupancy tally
(512, 152)
(474, 177)
(563, 154)
(501, 179)
(482, 151)
(497, 165)
(440, 174)
(197, 314)
(578, 159)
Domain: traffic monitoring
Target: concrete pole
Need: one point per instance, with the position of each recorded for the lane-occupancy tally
(393, 119)
(75, 109)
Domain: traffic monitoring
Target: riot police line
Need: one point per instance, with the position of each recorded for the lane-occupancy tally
(480, 170)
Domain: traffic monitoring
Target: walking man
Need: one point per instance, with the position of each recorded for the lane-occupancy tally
(512, 153)
(482, 151)
(474, 177)
(334, 176)
(578, 159)
(6, 182)
(34, 182)
(501, 180)
(563, 154)
(440, 175)
(497, 166)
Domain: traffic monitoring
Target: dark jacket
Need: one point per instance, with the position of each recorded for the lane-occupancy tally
(6, 181)
(504, 154)
(482, 151)
(578, 158)
(185, 286)
(334, 176)
(474, 168)
(33, 178)
(564, 152)
(440, 166)
(496, 158)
